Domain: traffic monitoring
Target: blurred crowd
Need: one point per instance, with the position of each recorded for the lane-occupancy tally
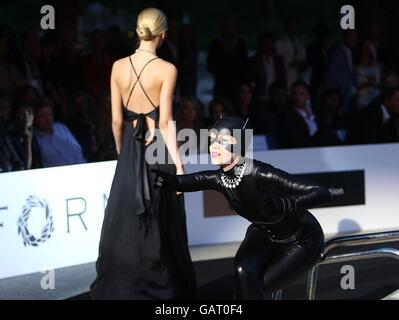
(55, 103)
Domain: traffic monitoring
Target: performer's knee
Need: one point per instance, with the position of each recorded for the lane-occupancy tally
(242, 272)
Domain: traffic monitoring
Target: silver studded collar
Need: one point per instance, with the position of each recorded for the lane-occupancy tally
(233, 182)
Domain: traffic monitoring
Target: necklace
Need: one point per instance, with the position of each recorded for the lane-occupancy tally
(149, 51)
(232, 183)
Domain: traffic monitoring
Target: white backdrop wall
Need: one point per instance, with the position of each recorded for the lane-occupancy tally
(75, 198)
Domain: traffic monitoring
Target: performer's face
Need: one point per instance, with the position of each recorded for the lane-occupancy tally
(221, 147)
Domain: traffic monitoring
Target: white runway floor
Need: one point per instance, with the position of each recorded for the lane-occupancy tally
(76, 280)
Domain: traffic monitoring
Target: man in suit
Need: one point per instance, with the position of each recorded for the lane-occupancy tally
(340, 70)
(377, 123)
(265, 68)
(298, 124)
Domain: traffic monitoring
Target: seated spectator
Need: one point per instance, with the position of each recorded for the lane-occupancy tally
(218, 108)
(189, 116)
(390, 79)
(244, 102)
(298, 124)
(368, 77)
(23, 138)
(248, 109)
(265, 68)
(57, 144)
(377, 123)
(278, 102)
(331, 124)
(82, 123)
(269, 115)
(10, 159)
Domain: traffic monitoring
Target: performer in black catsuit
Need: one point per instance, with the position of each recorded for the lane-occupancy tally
(284, 239)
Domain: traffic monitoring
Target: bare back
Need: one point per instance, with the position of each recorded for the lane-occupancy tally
(137, 83)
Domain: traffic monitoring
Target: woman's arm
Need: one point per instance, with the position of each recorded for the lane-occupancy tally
(204, 180)
(167, 125)
(295, 193)
(116, 109)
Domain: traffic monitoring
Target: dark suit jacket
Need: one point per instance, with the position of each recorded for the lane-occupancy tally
(294, 132)
(367, 127)
(256, 74)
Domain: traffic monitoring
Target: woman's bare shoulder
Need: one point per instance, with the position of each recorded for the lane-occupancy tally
(165, 69)
(120, 63)
(166, 66)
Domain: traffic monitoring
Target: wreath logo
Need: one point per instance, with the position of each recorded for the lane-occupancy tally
(30, 240)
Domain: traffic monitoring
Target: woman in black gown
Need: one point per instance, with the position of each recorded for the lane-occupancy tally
(143, 251)
(284, 239)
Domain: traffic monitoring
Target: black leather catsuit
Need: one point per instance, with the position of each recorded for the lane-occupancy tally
(284, 239)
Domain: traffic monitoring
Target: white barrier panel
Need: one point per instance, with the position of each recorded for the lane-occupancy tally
(51, 218)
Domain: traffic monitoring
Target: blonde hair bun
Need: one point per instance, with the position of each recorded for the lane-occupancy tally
(151, 22)
(144, 33)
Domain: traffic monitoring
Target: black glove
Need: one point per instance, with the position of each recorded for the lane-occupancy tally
(165, 180)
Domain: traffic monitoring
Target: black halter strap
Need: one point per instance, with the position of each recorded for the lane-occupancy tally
(138, 80)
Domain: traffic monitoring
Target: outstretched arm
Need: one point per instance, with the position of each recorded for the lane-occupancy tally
(293, 193)
(204, 180)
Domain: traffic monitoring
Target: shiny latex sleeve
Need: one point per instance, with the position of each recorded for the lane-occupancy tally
(296, 193)
(203, 180)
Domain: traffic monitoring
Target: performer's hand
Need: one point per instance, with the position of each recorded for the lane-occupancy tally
(164, 180)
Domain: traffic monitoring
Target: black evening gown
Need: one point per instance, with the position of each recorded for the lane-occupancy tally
(143, 251)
